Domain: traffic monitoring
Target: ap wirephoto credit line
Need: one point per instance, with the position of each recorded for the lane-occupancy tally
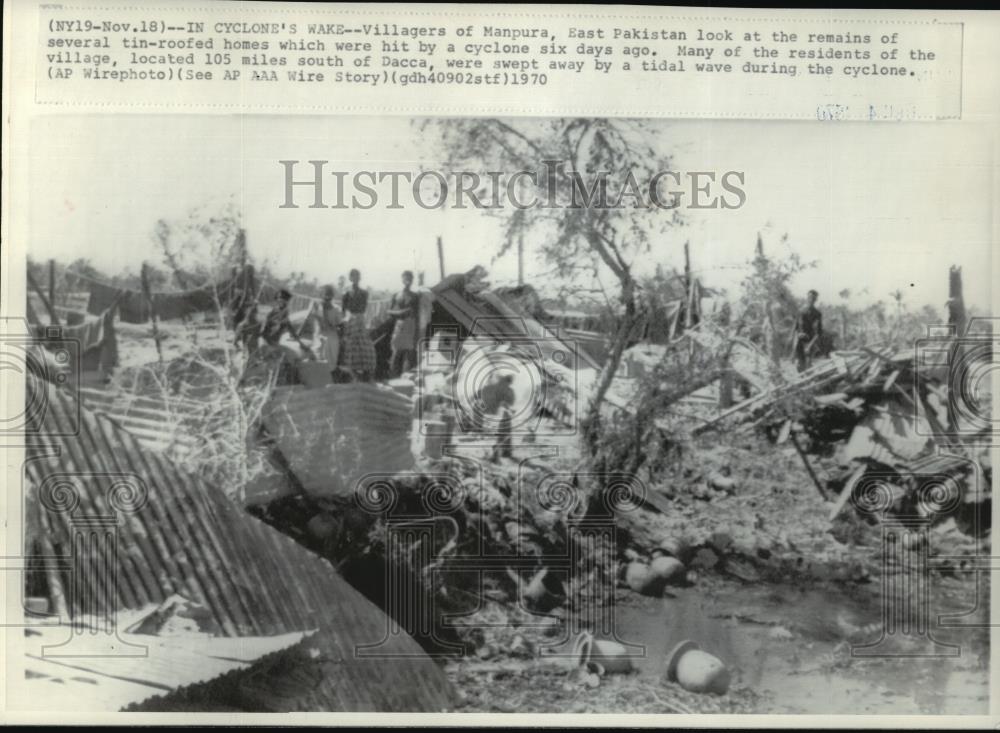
(499, 365)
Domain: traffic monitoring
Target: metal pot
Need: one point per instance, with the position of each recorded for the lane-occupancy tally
(603, 656)
(696, 670)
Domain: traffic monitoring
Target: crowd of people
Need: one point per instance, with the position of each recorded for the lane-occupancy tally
(346, 344)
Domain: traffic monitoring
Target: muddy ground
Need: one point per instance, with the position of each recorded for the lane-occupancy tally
(789, 649)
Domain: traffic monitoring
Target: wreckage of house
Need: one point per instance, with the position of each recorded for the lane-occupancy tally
(126, 529)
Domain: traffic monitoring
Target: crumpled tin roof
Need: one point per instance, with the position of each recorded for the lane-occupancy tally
(157, 426)
(178, 535)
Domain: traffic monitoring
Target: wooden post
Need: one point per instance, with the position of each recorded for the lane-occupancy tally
(956, 301)
(441, 256)
(693, 310)
(687, 284)
(250, 280)
(241, 245)
(805, 462)
(146, 291)
(520, 259)
(52, 282)
(53, 317)
(728, 379)
(956, 319)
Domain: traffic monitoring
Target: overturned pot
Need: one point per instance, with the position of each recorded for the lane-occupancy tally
(602, 655)
(696, 670)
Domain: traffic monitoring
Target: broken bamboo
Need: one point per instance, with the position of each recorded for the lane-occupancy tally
(805, 462)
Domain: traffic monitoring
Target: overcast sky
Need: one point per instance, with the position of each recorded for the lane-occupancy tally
(879, 206)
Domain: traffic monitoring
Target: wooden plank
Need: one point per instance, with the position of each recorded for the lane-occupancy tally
(805, 462)
(848, 489)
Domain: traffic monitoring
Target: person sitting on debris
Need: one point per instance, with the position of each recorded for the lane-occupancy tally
(808, 332)
(404, 309)
(277, 322)
(359, 351)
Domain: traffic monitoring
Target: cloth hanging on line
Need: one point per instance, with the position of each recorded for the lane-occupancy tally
(101, 297)
(90, 334)
(172, 306)
(133, 307)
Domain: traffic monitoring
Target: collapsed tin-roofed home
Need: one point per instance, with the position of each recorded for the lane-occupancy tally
(152, 532)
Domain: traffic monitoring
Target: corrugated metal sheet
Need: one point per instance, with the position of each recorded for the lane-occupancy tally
(333, 435)
(187, 538)
(175, 427)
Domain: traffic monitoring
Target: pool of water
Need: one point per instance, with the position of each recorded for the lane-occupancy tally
(799, 648)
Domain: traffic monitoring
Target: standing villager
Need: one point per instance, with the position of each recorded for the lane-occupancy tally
(404, 308)
(330, 318)
(359, 351)
(808, 332)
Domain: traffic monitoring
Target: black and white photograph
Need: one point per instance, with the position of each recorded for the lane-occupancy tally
(507, 414)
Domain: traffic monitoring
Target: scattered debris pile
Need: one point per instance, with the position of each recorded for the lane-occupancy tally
(514, 526)
(454, 533)
(879, 431)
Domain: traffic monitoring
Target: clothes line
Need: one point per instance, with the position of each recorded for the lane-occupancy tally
(134, 307)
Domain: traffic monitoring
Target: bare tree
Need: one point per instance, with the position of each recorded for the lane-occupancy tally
(207, 247)
(204, 246)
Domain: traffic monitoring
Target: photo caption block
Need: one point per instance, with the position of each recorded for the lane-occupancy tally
(537, 61)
